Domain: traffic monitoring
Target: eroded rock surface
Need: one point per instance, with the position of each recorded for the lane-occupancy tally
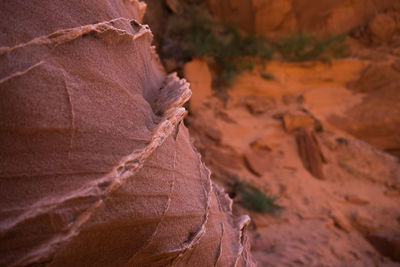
(348, 218)
(285, 16)
(376, 119)
(97, 168)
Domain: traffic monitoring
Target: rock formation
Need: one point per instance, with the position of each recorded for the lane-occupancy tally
(289, 16)
(310, 152)
(97, 168)
(377, 118)
(349, 216)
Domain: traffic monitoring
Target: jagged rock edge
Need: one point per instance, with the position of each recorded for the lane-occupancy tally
(127, 168)
(225, 203)
(141, 6)
(187, 246)
(67, 35)
(239, 223)
(130, 164)
(49, 41)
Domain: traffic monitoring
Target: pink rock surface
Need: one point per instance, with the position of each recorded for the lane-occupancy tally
(96, 166)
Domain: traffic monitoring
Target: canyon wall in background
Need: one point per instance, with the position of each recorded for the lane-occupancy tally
(288, 16)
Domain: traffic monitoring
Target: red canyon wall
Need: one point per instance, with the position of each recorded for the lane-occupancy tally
(286, 16)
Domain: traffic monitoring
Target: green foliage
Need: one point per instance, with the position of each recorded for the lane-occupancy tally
(252, 198)
(303, 47)
(232, 51)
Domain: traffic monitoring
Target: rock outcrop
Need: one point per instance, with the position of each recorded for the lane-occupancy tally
(347, 217)
(310, 152)
(97, 168)
(289, 16)
(377, 118)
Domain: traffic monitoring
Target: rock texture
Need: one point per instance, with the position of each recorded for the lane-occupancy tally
(310, 152)
(288, 16)
(97, 168)
(377, 118)
(382, 27)
(351, 217)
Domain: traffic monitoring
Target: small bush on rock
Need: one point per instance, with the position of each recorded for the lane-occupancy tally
(303, 47)
(253, 199)
(231, 51)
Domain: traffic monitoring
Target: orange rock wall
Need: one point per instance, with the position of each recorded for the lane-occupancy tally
(286, 16)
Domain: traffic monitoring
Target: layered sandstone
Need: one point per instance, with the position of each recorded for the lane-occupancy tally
(97, 168)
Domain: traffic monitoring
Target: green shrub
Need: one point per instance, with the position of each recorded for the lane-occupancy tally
(303, 47)
(232, 51)
(253, 199)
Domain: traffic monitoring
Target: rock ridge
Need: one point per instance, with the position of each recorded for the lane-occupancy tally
(97, 167)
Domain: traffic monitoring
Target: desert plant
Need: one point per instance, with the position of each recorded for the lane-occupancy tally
(304, 47)
(252, 198)
(231, 51)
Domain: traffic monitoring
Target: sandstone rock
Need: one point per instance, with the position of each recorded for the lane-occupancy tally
(258, 105)
(382, 28)
(374, 77)
(175, 6)
(270, 15)
(363, 161)
(225, 158)
(262, 143)
(235, 12)
(97, 168)
(311, 233)
(310, 152)
(225, 117)
(356, 200)
(330, 141)
(392, 193)
(376, 119)
(290, 99)
(261, 243)
(200, 78)
(258, 161)
(363, 222)
(340, 221)
(284, 16)
(396, 65)
(292, 122)
(387, 244)
(213, 133)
